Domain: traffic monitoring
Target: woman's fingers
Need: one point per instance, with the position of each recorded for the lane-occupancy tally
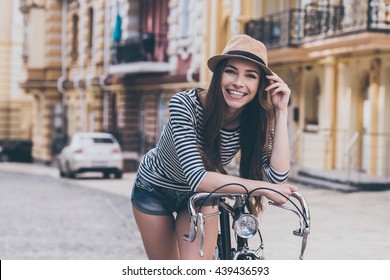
(285, 189)
(277, 84)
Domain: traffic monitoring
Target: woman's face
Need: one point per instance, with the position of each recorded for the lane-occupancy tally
(240, 80)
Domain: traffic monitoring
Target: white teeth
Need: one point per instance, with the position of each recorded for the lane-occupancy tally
(236, 93)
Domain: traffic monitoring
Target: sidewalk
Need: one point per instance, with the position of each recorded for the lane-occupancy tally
(339, 180)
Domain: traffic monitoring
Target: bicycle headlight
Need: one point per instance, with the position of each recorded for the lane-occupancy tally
(246, 225)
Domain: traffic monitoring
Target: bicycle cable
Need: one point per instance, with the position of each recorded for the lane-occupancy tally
(219, 188)
(296, 207)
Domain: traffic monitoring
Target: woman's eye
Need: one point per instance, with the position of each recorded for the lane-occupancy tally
(251, 76)
(230, 71)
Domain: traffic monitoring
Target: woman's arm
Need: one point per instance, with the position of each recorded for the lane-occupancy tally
(280, 155)
(213, 180)
(280, 95)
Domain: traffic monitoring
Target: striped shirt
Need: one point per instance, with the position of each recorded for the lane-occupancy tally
(175, 162)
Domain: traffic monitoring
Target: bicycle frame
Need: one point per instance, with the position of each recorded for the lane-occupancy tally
(226, 211)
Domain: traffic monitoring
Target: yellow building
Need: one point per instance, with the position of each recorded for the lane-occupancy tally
(335, 55)
(15, 106)
(41, 50)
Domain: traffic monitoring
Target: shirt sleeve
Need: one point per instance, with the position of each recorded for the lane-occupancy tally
(271, 174)
(183, 123)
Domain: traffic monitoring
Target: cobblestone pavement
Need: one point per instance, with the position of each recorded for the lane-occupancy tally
(43, 216)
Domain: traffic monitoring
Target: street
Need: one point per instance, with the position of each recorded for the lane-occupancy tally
(43, 216)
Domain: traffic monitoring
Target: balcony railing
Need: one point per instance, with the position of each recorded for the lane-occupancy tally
(150, 47)
(298, 26)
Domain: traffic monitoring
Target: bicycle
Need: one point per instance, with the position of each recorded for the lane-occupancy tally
(233, 209)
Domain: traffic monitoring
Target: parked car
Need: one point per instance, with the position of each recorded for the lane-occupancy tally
(91, 152)
(16, 150)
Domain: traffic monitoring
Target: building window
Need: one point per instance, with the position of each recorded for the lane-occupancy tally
(184, 19)
(312, 100)
(91, 30)
(154, 29)
(75, 37)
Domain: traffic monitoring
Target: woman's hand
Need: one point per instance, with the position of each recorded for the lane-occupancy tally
(285, 189)
(280, 92)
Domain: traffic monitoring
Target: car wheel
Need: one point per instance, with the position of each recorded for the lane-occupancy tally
(118, 174)
(72, 175)
(69, 172)
(62, 174)
(106, 175)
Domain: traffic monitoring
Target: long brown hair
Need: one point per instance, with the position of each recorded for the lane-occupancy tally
(255, 121)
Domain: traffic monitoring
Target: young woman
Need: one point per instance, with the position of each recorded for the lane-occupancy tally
(244, 109)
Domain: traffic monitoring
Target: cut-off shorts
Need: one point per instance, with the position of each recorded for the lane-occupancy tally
(155, 200)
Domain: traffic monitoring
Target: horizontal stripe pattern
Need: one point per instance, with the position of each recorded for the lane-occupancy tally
(175, 162)
(271, 174)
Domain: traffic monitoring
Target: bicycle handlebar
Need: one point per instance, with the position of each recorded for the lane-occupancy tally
(197, 219)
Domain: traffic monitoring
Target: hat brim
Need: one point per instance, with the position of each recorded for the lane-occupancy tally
(213, 61)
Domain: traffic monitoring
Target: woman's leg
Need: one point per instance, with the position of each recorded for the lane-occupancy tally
(158, 235)
(190, 251)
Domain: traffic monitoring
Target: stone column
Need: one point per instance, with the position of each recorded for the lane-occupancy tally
(374, 98)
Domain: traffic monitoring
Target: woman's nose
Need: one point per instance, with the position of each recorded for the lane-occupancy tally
(238, 81)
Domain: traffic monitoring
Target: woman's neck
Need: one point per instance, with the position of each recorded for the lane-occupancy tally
(231, 119)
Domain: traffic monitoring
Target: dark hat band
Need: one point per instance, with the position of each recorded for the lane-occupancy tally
(248, 55)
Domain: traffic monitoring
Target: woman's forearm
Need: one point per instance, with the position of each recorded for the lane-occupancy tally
(214, 180)
(280, 156)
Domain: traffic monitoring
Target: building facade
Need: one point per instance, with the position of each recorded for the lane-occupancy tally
(335, 55)
(101, 65)
(42, 62)
(15, 105)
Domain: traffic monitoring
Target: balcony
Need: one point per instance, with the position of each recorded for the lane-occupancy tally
(316, 22)
(144, 55)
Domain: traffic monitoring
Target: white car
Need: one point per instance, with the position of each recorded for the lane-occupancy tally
(91, 152)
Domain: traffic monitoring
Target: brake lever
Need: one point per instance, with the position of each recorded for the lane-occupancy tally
(193, 229)
(195, 221)
(198, 220)
(304, 219)
(306, 232)
(201, 228)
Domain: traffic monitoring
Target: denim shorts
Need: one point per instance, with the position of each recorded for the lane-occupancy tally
(155, 200)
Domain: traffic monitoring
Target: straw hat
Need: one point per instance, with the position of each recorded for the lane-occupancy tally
(243, 46)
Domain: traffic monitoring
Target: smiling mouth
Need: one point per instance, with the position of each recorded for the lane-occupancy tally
(236, 94)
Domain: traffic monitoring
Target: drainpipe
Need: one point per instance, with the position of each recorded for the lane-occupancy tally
(62, 79)
(93, 53)
(106, 60)
(81, 66)
(91, 74)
